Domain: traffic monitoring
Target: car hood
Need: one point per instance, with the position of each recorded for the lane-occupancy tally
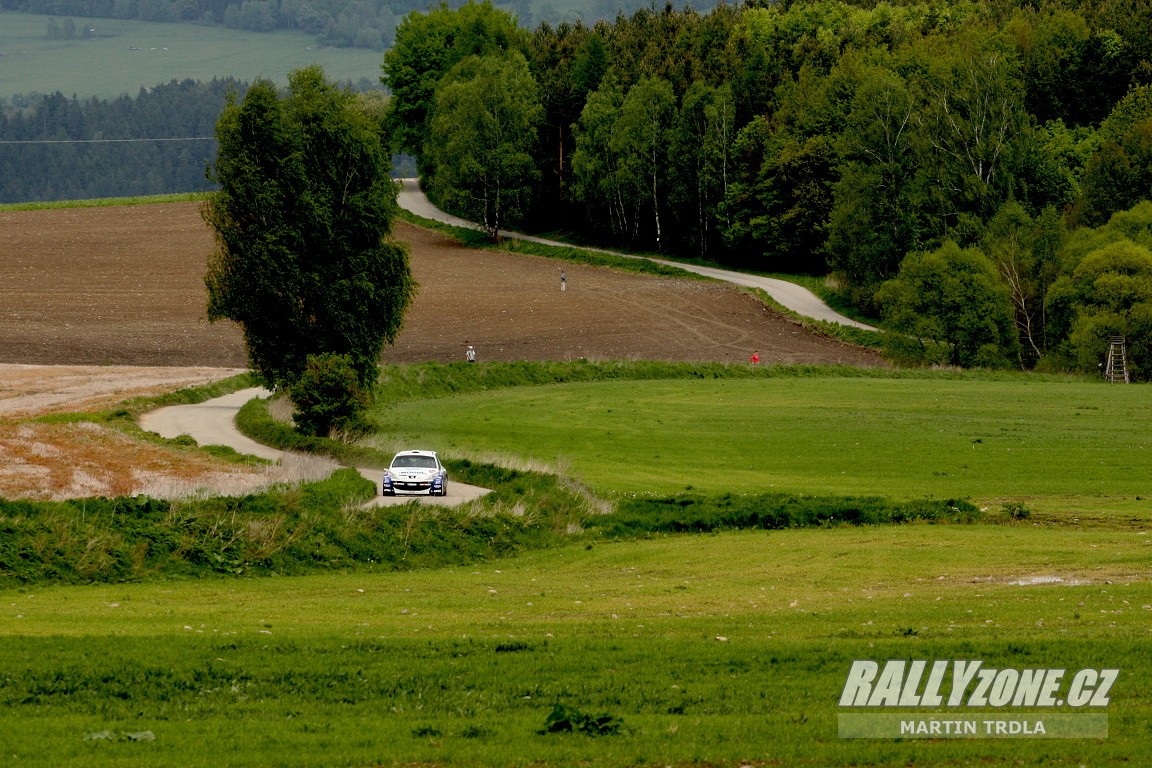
(413, 473)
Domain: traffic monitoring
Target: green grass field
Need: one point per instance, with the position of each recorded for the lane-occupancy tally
(1064, 446)
(720, 650)
(704, 650)
(126, 56)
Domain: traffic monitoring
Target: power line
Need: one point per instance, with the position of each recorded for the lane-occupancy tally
(101, 141)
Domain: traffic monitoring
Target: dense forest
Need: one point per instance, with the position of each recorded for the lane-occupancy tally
(160, 141)
(973, 173)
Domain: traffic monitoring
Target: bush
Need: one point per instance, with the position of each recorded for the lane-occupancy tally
(954, 297)
(328, 397)
(1017, 511)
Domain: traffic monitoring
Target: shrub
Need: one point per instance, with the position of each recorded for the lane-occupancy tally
(328, 397)
(954, 297)
(1017, 511)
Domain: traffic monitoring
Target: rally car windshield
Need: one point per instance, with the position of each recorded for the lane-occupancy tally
(422, 462)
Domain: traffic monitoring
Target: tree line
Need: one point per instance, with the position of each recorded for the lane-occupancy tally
(160, 141)
(971, 171)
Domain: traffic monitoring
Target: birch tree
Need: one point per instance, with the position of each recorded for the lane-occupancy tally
(483, 132)
(640, 139)
(304, 261)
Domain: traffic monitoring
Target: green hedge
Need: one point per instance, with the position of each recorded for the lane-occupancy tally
(695, 513)
(315, 526)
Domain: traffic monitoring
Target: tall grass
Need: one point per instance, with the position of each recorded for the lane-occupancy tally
(288, 530)
(700, 514)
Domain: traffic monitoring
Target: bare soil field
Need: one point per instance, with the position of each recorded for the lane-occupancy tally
(124, 286)
(100, 304)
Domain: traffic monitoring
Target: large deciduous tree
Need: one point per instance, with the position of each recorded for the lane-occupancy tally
(640, 139)
(304, 261)
(597, 182)
(970, 122)
(427, 46)
(700, 156)
(1109, 294)
(483, 131)
(873, 222)
(954, 297)
(1025, 251)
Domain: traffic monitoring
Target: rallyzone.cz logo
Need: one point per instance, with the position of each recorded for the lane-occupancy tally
(970, 685)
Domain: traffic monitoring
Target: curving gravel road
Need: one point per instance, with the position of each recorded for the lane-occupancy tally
(214, 423)
(799, 300)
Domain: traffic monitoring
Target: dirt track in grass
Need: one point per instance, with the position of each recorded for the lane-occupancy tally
(112, 300)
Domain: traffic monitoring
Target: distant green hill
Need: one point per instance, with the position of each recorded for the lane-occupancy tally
(121, 57)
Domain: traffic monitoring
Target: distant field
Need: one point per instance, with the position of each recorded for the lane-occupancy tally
(125, 56)
(1055, 445)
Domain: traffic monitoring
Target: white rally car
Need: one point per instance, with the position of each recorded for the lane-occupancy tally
(415, 472)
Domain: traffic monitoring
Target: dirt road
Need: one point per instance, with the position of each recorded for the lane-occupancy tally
(214, 423)
(100, 304)
(789, 295)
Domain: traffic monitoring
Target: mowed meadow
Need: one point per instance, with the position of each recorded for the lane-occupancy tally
(726, 648)
(699, 650)
(1065, 445)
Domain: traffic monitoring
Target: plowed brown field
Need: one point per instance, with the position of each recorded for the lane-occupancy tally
(123, 286)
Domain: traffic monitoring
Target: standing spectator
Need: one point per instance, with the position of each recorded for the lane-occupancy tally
(471, 354)
(563, 281)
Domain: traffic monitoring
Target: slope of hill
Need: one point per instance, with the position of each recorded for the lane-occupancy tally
(124, 286)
